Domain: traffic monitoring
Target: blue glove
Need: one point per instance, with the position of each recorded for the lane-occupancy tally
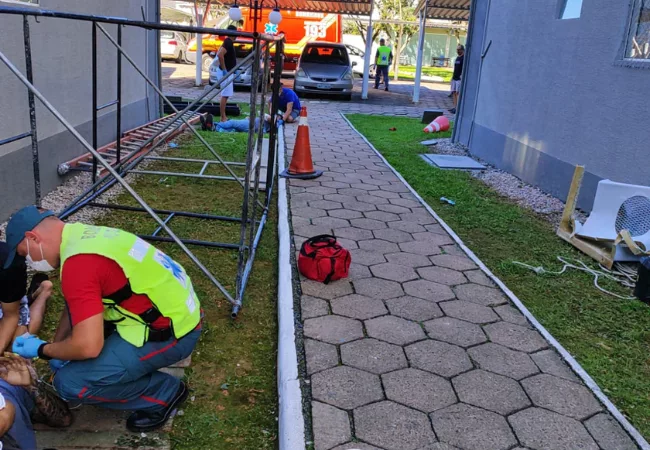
(27, 346)
(56, 364)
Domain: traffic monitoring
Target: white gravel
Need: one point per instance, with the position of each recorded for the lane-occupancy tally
(74, 185)
(508, 185)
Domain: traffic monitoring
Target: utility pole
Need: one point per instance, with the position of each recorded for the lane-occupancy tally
(398, 45)
(199, 54)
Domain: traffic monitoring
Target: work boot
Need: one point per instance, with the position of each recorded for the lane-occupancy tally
(142, 421)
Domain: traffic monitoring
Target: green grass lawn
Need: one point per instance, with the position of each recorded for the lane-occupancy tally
(232, 376)
(408, 72)
(609, 337)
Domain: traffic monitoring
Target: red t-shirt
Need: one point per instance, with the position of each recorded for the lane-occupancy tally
(87, 279)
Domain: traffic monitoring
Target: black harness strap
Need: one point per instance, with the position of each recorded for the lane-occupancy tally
(122, 294)
(148, 317)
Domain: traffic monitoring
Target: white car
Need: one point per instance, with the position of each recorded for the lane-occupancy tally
(357, 56)
(243, 78)
(173, 45)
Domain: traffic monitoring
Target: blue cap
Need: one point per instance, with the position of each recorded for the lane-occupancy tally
(23, 221)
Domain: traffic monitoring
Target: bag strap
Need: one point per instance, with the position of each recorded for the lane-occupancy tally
(327, 239)
(329, 276)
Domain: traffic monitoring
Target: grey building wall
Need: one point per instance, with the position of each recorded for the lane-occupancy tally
(551, 95)
(61, 56)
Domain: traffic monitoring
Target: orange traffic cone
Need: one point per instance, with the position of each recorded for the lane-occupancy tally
(440, 123)
(301, 164)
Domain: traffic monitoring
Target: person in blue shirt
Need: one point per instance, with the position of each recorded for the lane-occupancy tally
(23, 398)
(288, 105)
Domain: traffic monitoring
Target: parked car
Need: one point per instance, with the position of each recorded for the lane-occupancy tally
(173, 45)
(243, 78)
(325, 68)
(358, 56)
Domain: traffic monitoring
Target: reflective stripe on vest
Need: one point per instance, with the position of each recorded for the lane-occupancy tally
(149, 271)
(383, 59)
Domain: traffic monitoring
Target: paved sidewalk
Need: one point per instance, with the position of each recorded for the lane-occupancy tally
(418, 349)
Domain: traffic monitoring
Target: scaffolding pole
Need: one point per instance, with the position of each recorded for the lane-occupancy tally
(251, 227)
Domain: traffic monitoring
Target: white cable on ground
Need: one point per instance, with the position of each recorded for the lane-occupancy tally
(621, 274)
(577, 368)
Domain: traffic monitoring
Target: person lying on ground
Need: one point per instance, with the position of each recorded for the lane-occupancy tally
(21, 309)
(234, 125)
(130, 310)
(24, 399)
(288, 105)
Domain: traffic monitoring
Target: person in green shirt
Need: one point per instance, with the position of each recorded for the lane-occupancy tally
(384, 58)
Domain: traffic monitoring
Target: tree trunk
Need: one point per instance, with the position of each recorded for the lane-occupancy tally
(206, 11)
(361, 30)
(398, 51)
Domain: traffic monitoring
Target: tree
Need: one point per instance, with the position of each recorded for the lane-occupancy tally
(401, 34)
(205, 8)
(360, 28)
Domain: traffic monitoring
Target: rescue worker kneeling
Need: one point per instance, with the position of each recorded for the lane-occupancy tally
(110, 279)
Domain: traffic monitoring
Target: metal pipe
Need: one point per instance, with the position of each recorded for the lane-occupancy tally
(186, 175)
(118, 113)
(153, 85)
(205, 166)
(117, 176)
(15, 138)
(38, 12)
(165, 211)
(191, 160)
(114, 102)
(94, 95)
(249, 267)
(418, 61)
(366, 57)
(247, 175)
(149, 237)
(206, 97)
(71, 208)
(259, 145)
(32, 113)
(273, 133)
(199, 54)
(169, 217)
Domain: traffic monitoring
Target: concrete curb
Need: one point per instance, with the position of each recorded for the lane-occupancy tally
(291, 422)
(577, 368)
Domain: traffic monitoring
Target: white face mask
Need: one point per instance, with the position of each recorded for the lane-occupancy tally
(38, 266)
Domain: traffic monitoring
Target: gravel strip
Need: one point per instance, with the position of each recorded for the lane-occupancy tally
(74, 185)
(525, 195)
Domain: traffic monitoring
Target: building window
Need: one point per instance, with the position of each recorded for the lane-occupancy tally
(638, 41)
(571, 9)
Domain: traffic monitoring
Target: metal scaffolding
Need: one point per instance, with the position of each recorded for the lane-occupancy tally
(255, 210)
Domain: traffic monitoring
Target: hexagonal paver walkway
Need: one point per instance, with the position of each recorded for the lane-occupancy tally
(418, 349)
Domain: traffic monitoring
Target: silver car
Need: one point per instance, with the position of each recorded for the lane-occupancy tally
(324, 68)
